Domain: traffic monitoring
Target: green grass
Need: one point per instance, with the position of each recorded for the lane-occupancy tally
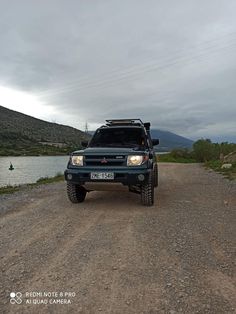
(9, 189)
(46, 180)
(170, 158)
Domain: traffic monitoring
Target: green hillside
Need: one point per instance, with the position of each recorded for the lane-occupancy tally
(21, 134)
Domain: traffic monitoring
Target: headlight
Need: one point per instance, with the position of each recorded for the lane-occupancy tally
(77, 160)
(134, 160)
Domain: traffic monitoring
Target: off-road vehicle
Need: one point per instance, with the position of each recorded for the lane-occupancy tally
(119, 156)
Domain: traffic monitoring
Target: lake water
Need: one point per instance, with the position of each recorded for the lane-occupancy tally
(30, 169)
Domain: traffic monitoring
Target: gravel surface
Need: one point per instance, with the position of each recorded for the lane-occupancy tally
(118, 256)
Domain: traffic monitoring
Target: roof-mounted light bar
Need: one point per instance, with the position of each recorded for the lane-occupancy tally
(136, 122)
(124, 122)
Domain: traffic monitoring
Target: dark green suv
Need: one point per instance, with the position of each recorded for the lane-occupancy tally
(119, 156)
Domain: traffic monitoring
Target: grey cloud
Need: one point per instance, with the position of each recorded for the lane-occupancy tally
(169, 62)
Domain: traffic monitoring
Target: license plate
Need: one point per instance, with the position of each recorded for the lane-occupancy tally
(102, 176)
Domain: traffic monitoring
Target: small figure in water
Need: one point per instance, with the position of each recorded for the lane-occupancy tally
(11, 166)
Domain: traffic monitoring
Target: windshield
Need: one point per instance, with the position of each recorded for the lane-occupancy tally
(119, 137)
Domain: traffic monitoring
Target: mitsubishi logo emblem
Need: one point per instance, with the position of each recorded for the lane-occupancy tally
(104, 161)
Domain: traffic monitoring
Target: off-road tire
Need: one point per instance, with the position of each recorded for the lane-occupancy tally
(147, 191)
(155, 175)
(76, 193)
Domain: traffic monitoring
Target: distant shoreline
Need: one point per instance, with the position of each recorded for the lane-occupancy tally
(38, 155)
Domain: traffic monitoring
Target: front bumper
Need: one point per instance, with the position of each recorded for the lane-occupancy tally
(127, 176)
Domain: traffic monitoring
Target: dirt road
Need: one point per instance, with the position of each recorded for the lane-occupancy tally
(117, 256)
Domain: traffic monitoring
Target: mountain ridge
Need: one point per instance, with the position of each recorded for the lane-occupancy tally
(23, 134)
(170, 140)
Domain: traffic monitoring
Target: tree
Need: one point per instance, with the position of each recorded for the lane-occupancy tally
(204, 150)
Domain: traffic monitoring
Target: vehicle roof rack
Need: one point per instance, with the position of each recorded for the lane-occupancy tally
(134, 122)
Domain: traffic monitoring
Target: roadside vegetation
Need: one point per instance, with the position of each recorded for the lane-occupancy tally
(216, 165)
(178, 155)
(9, 189)
(204, 151)
(44, 180)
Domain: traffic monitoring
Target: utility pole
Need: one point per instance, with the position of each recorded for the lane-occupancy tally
(86, 127)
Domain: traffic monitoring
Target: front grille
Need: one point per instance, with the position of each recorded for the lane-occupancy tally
(105, 160)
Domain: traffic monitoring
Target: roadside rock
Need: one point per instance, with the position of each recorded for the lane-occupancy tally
(226, 166)
(230, 158)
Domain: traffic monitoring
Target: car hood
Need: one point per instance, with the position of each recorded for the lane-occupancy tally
(109, 150)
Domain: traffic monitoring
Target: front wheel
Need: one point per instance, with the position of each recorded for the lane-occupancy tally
(76, 193)
(155, 176)
(147, 191)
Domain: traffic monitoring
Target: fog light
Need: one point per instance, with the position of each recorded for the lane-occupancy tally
(69, 176)
(141, 177)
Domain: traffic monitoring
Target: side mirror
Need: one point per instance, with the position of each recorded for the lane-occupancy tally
(155, 141)
(147, 126)
(84, 143)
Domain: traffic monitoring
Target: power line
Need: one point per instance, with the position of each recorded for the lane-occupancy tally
(116, 75)
(131, 76)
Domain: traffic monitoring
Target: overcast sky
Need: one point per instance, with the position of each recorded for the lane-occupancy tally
(169, 62)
